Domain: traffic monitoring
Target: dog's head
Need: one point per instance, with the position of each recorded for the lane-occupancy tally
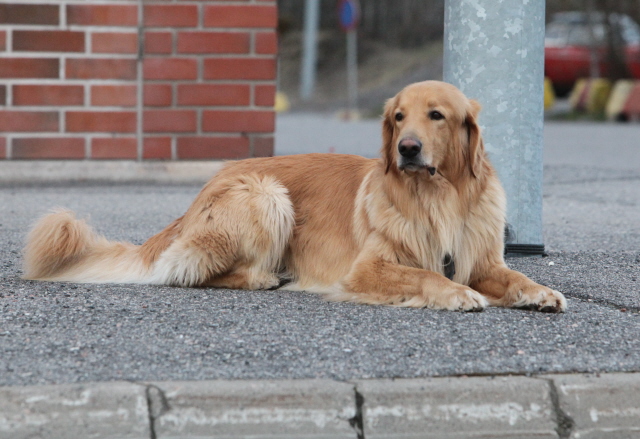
(431, 127)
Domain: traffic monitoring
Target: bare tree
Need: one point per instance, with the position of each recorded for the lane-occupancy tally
(615, 43)
(610, 43)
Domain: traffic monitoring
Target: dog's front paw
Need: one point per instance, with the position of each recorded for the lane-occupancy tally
(540, 298)
(462, 299)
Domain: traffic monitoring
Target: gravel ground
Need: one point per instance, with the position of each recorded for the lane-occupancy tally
(62, 333)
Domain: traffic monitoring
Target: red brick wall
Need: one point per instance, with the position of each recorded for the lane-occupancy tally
(134, 79)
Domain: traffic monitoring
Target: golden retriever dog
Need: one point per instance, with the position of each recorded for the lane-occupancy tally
(421, 227)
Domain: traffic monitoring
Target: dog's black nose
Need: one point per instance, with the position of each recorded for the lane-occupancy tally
(409, 147)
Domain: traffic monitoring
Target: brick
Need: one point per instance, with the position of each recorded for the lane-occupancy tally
(240, 16)
(114, 95)
(266, 43)
(48, 148)
(29, 68)
(3, 95)
(48, 95)
(214, 42)
(109, 68)
(170, 15)
(114, 148)
(264, 95)
(3, 40)
(13, 13)
(103, 15)
(170, 68)
(238, 121)
(158, 42)
(48, 41)
(239, 68)
(157, 148)
(24, 121)
(114, 42)
(101, 121)
(161, 121)
(262, 146)
(213, 94)
(3, 148)
(158, 95)
(213, 147)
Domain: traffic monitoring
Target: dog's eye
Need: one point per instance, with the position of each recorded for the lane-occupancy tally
(435, 115)
(399, 117)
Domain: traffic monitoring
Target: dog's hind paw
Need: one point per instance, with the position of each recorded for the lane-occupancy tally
(282, 281)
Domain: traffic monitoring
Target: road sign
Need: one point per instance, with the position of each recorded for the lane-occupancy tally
(349, 17)
(348, 14)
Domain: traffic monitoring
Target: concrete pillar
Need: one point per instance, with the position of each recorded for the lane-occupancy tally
(494, 52)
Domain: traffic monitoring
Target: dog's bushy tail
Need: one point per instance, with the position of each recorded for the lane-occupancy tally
(63, 248)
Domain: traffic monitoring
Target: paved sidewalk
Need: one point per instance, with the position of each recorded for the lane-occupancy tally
(156, 362)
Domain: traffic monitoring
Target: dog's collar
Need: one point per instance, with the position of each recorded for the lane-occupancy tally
(449, 266)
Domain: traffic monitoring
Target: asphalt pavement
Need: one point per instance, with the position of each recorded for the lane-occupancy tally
(61, 333)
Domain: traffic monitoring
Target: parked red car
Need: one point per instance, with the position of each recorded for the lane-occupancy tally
(570, 44)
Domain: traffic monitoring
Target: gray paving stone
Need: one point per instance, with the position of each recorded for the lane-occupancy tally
(113, 410)
(502, 407)
(607, 405)
(257, 409)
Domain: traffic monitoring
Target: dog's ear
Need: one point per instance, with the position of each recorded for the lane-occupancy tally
(476, 145)
(388, 126)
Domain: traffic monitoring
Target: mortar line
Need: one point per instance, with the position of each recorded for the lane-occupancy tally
(564, 423)
(357, 421)
(164, 406)
(152, 421)
(140, 84)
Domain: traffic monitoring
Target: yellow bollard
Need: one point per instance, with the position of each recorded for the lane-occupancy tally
(599, 92)
(577, 96)
(549, 94)
(282, 102)
(618, 98)
(590, 95)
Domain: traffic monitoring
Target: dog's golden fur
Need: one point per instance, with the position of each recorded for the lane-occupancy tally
(365, 230)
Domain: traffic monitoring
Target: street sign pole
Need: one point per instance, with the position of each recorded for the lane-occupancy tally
(349, 16)
(352, 73)
(308, 71)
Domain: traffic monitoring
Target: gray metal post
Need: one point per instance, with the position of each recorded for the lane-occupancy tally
(352, 73)
(308, 71)
(494, 52)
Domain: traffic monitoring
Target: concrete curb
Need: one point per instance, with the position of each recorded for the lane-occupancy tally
(119, 171)
(547, 406)
(488, 407)
(95, 410)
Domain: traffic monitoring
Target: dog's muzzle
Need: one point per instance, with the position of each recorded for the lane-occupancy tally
(411, 159)
(409, 148)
